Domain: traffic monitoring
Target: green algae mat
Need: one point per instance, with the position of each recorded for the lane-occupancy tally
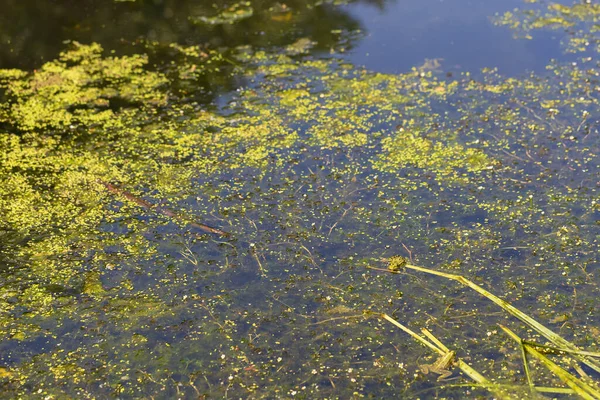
(216, 220)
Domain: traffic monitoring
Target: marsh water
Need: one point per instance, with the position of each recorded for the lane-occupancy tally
(318, 139)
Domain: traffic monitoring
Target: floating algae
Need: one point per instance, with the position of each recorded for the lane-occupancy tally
(305, 166)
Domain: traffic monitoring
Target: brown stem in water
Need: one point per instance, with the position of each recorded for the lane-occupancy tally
(165, 211)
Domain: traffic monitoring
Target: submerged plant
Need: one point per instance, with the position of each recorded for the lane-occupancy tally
(313, 167)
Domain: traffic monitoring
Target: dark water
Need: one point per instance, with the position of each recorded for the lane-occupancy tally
(324, 137)
(387, 36)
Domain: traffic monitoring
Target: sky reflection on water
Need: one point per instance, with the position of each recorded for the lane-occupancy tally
(403, 34)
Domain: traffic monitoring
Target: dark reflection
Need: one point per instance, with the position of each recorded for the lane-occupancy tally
(33, 31)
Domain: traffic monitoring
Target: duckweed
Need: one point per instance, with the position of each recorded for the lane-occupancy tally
(319, 169)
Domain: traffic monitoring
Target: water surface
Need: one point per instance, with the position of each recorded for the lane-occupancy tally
(324, 139)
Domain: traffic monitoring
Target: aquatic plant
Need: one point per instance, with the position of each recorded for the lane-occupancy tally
(579, 21)
(307, 167)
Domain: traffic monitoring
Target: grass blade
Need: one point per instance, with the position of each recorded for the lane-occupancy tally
(581, 388)
(541, 329)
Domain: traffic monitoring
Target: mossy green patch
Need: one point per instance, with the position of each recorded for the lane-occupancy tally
(80, 88)
(408, 149)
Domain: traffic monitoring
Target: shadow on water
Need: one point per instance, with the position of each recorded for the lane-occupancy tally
(34, 32)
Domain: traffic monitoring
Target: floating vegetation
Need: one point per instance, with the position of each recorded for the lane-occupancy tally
(236, 12)
(579, 21)
(84, 93)
(314, 167)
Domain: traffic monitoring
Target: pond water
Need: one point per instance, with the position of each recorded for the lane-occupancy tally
(461, 34)
(206, 201)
